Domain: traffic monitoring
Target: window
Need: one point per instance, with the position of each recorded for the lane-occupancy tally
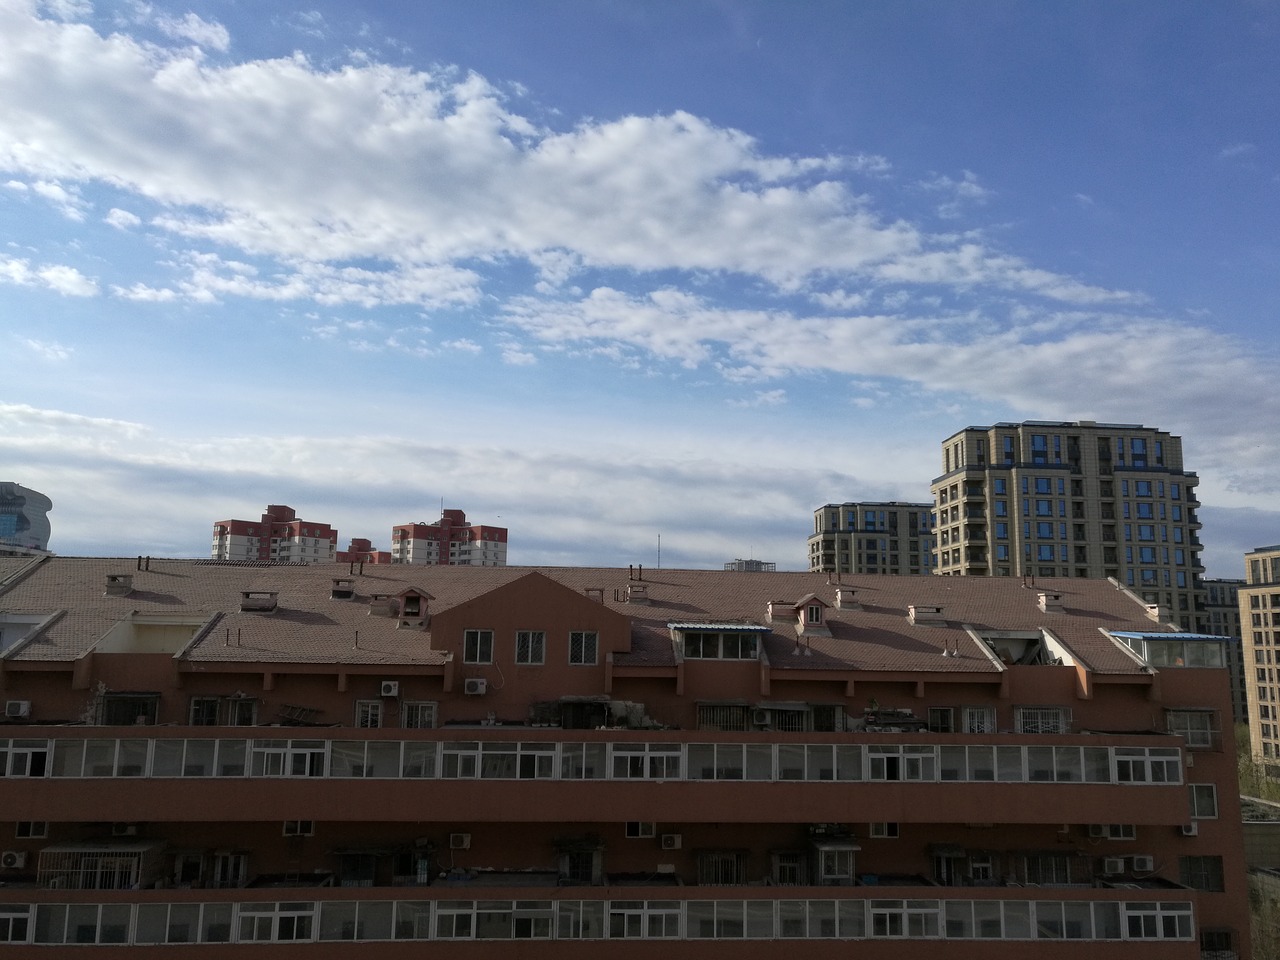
(531, 646)
(720, 646)
(31, 829)
(368, 713)
(722, 716)
(640, 829)
(1047, 868)
(1204, 801)
(204, 711)
(942, 720)
(813, 613)
(1043, 720)
(979, 720)
(1198, 727)
(15, 920)
(582, 647)
(883, 831)
(123, 709)
(477, 646)
(418, 714)
(1168, 921)
(1148, 765)
(722, 869)
(299, 828)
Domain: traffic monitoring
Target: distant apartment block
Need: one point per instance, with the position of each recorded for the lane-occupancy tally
(1222, 610)
(24, 521)
(278, 536)
(450, 541)
(361, 550)
(751, 566)
(872, 537)
(1260, 623)
(1073, 499)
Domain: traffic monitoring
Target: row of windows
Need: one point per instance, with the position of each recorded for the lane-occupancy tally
(371, 920)
(530, 647)
(548, 760)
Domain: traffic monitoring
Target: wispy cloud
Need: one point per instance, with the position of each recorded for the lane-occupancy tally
(48, 350)
(59, 278)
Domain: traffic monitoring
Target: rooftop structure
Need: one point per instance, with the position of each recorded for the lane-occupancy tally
(683, 763)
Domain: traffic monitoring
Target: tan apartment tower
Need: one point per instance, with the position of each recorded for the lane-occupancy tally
(867, 537)
(1073, 499)
(1260, 630)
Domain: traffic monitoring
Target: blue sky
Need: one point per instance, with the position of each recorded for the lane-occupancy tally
(604, 272)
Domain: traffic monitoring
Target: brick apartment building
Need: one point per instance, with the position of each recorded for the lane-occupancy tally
(244, 760)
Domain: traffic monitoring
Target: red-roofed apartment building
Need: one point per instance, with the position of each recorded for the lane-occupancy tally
(450, 541)
(220, 759)
(279, 536)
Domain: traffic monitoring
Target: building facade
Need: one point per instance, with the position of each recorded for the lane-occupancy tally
(1222, 608)
(279, 536)
(24, 520)
(450, 541)
(867, 537)
(1075, 499)
(1260, 628)
(245, 759)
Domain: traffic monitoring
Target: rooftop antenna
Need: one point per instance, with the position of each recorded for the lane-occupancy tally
(658, 566)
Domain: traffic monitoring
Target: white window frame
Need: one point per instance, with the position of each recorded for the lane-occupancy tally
(477, 646)
(582, 638)
(413, 712)
(1187, 724)
(885, 830)
(1204, 801)
(531, 647)
(369, 714)
(1042, 719)
(298, 828)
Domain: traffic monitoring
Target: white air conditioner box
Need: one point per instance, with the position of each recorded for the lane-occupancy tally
(17, 708)
(475, 686)
(1191, 829)
(1113, 865)
(1097, 830)
(671, 841)
(1144, 864)
(124, 829)
(459, 841)
(13, 859)
(390, 688)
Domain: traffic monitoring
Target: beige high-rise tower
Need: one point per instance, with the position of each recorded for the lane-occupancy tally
(1260, 630)
(1073, 499)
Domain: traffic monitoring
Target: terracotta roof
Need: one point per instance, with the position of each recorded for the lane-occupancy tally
(309, 627)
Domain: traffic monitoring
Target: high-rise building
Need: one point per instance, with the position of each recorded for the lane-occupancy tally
(1073, 499)
(751, 566)
(1260, 629)
(278, 536)
(296, 760)
(24, 521)
(450, 541)
(872, 537)
(1222, 608)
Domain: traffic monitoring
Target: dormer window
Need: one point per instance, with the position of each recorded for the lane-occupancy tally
(813, 613)
(718, 641)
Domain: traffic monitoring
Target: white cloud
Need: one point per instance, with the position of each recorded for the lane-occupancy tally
(430, 174)
(960, 193)
(68, 9)
(191, 27)
(49, 350)
(67, 201)
(1236, 151)
(59, 278)
(141, 293)
(463, 345)
(121, 219)
(517, 358)
(762, 398)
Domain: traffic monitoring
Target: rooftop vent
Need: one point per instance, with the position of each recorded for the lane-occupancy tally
(119, 584)
(637, 593)
(383, 605)
(258, 601)
(594, 593)
(846, 599)
(782, 610)
(344, 588)
(1157, 613)
(1051, 602)
(919, 613)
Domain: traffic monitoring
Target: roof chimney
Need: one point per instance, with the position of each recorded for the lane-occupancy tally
(920, 613)
(119, 584)
(846, 599)
(258, 601)
(383, 605)
(637, 593)
(1051, 602)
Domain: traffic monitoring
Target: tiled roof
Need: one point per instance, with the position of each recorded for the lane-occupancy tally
(309, 627)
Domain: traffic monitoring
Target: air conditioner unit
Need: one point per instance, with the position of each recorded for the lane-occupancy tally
(459, 841)
(671, 841)
(1097, 830)
(17, 708)
(1191, 829)
(390, 688)
(13, 859)
(124, 829)
(760, 717)
(474, 686)
(1144, 864)
(1113, 865)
